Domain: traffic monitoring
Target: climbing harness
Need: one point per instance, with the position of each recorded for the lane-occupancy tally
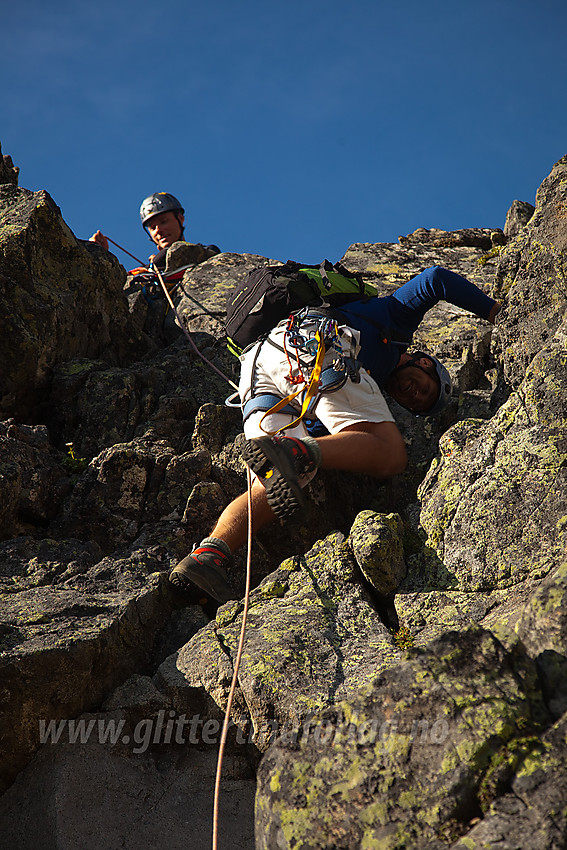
(149, 283)
(313, 346)
(308, 336)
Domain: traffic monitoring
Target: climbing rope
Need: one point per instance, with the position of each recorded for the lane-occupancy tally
(234, 682)
(236, 666)
(156, 271)
(246, 594)
(141, 262)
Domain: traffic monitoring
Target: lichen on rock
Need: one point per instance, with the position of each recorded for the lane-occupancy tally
(402, 682)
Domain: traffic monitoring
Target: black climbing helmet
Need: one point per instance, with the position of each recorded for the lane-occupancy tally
(157, 203)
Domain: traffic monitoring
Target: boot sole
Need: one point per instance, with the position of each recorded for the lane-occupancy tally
(278, 476)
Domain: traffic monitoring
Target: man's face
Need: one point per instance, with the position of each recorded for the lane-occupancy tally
(415, 386)
(165, 228)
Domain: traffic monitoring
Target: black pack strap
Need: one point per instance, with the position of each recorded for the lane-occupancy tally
(327, 266)
(323, 269)
(291, 266)
(255, 366)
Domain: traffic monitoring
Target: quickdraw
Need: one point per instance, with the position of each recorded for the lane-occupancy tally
(324, 334)
(309, 393)
(151, 289)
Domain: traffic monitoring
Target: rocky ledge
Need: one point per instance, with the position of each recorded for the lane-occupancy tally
(403, 676)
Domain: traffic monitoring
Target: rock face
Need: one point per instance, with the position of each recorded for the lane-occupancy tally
(408, 759)
(60, 299)
(8, 172)
(517, 216)
(402, 681)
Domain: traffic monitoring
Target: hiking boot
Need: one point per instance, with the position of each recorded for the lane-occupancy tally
(279, 462)
(205, 567)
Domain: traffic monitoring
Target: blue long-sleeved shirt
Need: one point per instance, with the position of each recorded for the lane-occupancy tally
(399, 316)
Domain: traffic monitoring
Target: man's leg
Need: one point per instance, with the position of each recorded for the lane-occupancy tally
(375, 448)
(372, 445)
(206, 564)
(232, 525)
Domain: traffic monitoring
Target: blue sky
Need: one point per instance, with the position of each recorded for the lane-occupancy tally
(287, 129)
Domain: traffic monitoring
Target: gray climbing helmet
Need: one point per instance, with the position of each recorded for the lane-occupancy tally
(157, 203)
(446, 385)
(443, 376)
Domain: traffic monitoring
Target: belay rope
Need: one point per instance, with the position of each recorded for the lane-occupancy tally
(125, 251)
(156, 271)
(154, 268)
(247, 590)
(236, 663)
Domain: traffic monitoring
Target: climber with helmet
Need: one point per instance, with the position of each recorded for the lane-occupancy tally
(372, 337)
(163, 219)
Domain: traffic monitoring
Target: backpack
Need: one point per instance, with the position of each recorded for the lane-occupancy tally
(271, 293)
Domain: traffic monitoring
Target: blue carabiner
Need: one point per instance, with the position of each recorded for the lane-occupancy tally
(311, 345)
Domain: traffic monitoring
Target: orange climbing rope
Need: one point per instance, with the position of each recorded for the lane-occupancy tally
(236, 666)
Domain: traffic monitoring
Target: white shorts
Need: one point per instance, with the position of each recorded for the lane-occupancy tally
(351, 404)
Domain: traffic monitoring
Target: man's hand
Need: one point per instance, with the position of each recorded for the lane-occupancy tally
(100, 239)
(494, 312)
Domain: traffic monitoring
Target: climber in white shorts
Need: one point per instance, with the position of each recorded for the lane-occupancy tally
(353, 361)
